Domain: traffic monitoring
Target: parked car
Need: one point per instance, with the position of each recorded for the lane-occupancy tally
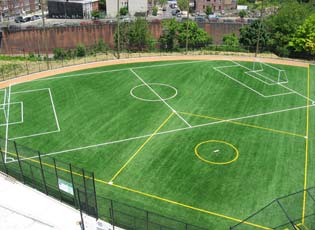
(200, 19)
(26, 19)
(175, 12)
(18, 19)
(35, 17)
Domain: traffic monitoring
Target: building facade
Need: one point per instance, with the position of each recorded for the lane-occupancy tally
(72, 8)
(216, 5)
(134, 6)
(11, 8)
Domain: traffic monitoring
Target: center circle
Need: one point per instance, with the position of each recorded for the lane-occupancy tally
(150, 87)
(216, 152)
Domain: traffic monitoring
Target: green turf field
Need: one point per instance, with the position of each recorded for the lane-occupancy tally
(206, 142)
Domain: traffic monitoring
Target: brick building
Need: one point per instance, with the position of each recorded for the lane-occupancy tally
(216, 5)
(17, 7)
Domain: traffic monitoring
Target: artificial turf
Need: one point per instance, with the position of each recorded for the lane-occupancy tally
(146, 145)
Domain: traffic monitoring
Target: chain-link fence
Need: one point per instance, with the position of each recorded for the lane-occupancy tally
(48, 175)
(295, 211)
(38, 62)
(76, 186)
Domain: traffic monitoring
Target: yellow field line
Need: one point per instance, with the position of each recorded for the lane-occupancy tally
(154, 196)
(306, 145)
(245, 124)
(141, 147)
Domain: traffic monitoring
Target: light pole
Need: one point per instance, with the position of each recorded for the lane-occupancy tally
(259, 29)
(118, 30)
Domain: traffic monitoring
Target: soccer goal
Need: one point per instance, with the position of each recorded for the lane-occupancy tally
(268, 73)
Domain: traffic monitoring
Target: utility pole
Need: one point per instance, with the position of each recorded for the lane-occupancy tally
(118, 30)
(45, 34)
(260, 27)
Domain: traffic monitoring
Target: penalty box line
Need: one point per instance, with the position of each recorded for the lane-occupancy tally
(167, 132)
(283, 86)
(156, 94)
(54, 112)
(152, 196)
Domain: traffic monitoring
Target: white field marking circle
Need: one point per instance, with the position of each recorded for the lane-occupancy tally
(153, 100)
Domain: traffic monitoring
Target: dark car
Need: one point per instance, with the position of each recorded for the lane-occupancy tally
(200, 19)
(18, 19)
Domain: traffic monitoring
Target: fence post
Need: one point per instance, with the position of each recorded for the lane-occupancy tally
(85, 190)
(74, 190)
(42, 171)
(80, 208)
(4, 164)
(56, 172)
(94, 190)
(18, 157)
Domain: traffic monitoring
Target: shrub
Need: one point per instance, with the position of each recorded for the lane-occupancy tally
(80, 51)
(59, 53)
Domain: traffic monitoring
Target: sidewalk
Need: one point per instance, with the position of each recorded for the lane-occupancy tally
(23, 208)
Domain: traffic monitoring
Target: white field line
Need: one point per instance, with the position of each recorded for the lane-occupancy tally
(153, 91)
(239, 82)
(22, 114)
(30, 91)
(249, 73)
(275, 83)
(35, 135)
(169, 131)
(246, 86)
(117, 70)
(7, 127)
(54, 111)
(292, 90)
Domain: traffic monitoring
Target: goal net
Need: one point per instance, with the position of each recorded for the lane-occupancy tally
(268, 73)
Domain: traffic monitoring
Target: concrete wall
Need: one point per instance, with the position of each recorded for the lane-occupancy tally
(69, 37)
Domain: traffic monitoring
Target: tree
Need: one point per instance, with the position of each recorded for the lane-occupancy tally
(95, 14)
(102, 5)
(303, 40)
(231, 40)
(208, 10)
(123, 11)
(249, 35)
(168, 39)
(154, 10)
(135, 36)
(183, 5)
(283, 25)
(162, 2)
(242, 14)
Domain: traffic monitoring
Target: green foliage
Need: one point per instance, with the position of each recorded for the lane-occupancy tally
(154, 10)
(231, 40)
(283, 25)
(162, 2)
(208, 10)
(183, 4)
(59, 53)
(175, 34)
(135, 36)
(303, 40)
(197, 37)
(101, 47)
(80, 50)
(102, 4)
(250, 35)
(95, 14)
(242, 13)
(123, 11)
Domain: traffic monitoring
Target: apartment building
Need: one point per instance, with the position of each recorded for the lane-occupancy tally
(134, 6)
(216, 5)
